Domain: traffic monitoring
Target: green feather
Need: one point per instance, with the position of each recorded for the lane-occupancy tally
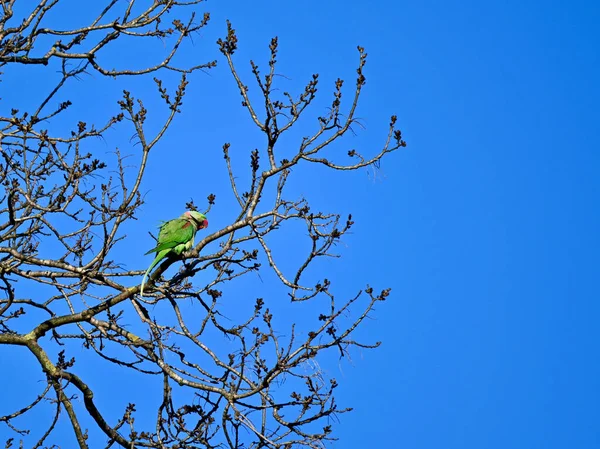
(159, 256)
(174, 237)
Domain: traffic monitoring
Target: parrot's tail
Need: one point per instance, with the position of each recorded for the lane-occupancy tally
(143, 282)
(158, 258)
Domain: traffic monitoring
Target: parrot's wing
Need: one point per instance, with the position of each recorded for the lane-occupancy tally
(173, 233)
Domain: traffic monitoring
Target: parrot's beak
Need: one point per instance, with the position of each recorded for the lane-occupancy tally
(204, 224)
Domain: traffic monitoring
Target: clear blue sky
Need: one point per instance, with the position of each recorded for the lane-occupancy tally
(486, 226)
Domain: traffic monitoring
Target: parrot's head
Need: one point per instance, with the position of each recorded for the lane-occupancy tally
(197, 218)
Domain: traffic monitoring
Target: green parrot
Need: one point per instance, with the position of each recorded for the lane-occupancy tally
(175, 236)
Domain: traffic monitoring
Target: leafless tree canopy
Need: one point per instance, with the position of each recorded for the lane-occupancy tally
(63, 213)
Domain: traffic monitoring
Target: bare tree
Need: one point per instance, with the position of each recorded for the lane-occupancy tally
(62, 216)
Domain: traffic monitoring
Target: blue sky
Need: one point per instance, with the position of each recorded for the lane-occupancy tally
(486, 226)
